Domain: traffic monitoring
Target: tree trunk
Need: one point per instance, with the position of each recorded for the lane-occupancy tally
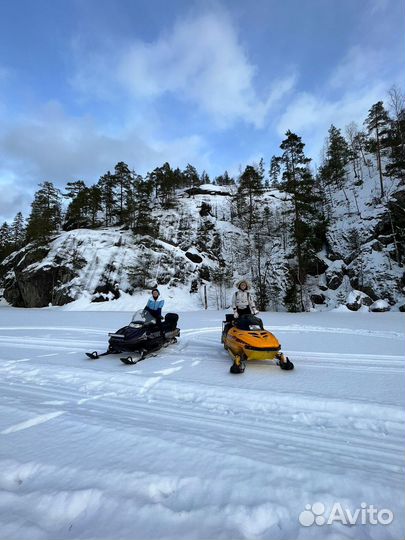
(379, 163)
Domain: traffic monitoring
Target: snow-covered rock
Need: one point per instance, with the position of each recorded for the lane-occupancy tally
(200, 243)
(334, 274)
(380, 306)
(96, 262)
(356, 299)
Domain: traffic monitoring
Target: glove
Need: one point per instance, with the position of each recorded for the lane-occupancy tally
(256, 312)
(235, 314)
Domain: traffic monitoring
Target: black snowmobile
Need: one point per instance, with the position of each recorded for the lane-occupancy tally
(142, 337)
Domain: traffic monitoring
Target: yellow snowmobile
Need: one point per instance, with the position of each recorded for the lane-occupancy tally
(245, 339)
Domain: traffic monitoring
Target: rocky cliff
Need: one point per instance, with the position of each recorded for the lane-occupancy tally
(199, 243)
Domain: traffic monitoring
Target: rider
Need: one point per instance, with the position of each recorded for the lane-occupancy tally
(154, 307)
(242, 301)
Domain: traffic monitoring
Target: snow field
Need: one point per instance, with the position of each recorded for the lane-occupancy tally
(175, 446)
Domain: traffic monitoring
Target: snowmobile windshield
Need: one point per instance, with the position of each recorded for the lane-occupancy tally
(141, 318)
(249, 322)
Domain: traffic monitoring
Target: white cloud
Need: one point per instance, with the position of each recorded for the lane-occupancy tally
(310, 115)
(358, 67)
(52, 145)
(13, 197)
(201, 61)
(355, 84)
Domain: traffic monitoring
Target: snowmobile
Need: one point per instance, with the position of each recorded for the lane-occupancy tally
(245, 339)
(142, 337)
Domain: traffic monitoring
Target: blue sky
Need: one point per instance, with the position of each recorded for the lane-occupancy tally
(84, 84)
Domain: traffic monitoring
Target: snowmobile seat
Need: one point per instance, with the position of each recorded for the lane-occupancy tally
(244, 322)
(227, 323)
(170, 322)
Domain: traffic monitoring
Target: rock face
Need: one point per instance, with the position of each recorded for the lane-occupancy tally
(318, 299)
(200, 242)
(194, 257)
(334, 274)
(31, 282)
(100, 263)
(37, 288)
(208, 189)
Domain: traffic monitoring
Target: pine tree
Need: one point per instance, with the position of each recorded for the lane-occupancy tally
(299, 183)
(261, 172)
(73, 189)
(18, 231)
(275, 170)
(378, 123)
(129, 199)
(224, 180)
(94, 204)
(164, 181)
(45, 218)
(333, 170)
(191, 176)
(250, 188)
(143, 223)
(123, 184)
(77, 211)
(6, 241)
(205, 179)
(106, 186)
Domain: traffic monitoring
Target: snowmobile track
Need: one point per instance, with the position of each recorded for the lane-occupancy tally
(187, 446)
(269, 437)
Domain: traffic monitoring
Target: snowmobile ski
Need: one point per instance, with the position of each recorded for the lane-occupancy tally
(130, 360)
(285, 363)
(95, 355)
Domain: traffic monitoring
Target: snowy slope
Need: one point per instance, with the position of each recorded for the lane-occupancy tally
(176, 447)
(360, 238)
(201, 235)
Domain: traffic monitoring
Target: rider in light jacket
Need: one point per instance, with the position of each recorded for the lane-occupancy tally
(242, 301)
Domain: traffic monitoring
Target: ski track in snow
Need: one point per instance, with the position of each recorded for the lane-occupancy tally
(345, 449)
(32, 422)
(187, 448)
(167, 371)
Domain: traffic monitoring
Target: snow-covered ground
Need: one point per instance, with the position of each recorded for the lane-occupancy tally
(177, 447)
